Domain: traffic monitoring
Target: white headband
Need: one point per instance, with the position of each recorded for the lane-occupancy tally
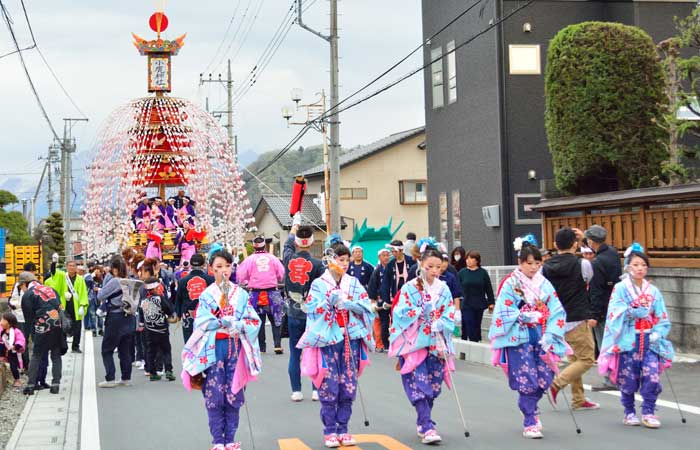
(304, 242)
(153, 285)
(383, 250)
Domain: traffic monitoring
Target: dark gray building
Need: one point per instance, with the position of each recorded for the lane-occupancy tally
(484, 111)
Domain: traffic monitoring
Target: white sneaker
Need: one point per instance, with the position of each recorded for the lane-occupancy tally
(297, 397)
(125, 383)
(532, 432)
(431, 437)
(651, 421)
(314, 396)
(346, 440)
(107, 384)
(331, 441)
(631, 420)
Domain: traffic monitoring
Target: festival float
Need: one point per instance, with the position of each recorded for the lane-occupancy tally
(163, 171)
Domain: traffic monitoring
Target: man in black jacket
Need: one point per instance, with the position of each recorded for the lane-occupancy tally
(189, 288)
(301, 269)
(606, 273)
(570, 275)
(41, 305)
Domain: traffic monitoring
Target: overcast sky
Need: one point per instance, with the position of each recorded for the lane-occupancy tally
(89, 46)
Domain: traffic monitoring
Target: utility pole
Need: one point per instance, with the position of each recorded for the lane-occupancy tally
(228, 84)
(67, 149)
(333, 119)
(53, 159)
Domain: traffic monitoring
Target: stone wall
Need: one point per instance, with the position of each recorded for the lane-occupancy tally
(681, 291)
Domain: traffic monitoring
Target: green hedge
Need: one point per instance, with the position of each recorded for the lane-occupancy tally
(604, 90)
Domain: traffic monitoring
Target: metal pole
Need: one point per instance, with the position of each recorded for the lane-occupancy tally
(326, 179)
(229, 112)
(334, 121)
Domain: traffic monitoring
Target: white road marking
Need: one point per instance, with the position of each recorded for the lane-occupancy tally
(685, 408)
(89, 423)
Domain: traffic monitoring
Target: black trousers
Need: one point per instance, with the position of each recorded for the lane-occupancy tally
(471, 323)
(158, 351)
(276, 331)
(384, 316)
(119, 334)
(44, 344)
(13, 359)
(75, 326)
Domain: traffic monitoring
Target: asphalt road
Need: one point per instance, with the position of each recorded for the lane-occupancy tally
(162, 415)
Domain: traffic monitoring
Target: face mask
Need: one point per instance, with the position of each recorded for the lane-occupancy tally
(457, 257)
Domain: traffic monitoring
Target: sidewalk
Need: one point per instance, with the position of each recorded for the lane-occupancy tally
(52, 421)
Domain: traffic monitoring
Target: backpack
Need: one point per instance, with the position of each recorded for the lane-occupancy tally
(130, 295)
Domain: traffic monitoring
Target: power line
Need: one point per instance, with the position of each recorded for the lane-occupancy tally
(48, 66)
(221, 45)
(423, 67)
(235, 35)
(390, 85)
(247, 32)
(402, 60)
(267, 54)
(26, 71)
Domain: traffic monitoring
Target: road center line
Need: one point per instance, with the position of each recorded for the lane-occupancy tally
(89, 423)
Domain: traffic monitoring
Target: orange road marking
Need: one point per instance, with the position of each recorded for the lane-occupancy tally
(385, 441)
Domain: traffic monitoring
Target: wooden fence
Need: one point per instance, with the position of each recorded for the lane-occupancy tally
(670, 235)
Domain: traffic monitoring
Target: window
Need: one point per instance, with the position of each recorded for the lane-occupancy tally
(451, 73)
(436, 72)
(456, 220)
(413, 192)
(353, 193)
(524, 59)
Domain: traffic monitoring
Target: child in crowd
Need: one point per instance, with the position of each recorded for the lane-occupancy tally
(13, 345)
(154, 315)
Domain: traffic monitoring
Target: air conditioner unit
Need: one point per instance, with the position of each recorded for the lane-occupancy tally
(492, 215)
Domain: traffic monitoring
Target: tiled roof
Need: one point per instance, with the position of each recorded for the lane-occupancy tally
(279, 207)
(367, 150)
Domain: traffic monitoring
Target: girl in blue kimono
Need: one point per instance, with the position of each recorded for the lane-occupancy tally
(421, 337)
(527, 334)
(222, 355)
(635, 349)
(336, 342)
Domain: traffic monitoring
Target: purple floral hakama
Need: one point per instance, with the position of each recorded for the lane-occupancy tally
(529, 376)
(639, 372)
(422, 386)
(339, 386)
(222, 405)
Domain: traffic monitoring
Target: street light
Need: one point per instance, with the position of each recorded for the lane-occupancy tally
(286, 113)
(297, 93)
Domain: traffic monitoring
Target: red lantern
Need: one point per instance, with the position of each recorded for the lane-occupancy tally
(297, 195)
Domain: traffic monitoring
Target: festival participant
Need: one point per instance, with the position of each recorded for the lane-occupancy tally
(301, 269)
(189, 289)
(421, 337)
(155, 313)
(188, 208)
(375, 283)
(527, 333)
(261, 272)
(155, 237)
(336, 343)
(395, 275)
(222, 354)
(359, 268)
(636, 349)
(94, 281)
(185, 241)
(171, 214)
(74, 297)
(179, 199)
(142, 213)
(115, 299)
(41, 305)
